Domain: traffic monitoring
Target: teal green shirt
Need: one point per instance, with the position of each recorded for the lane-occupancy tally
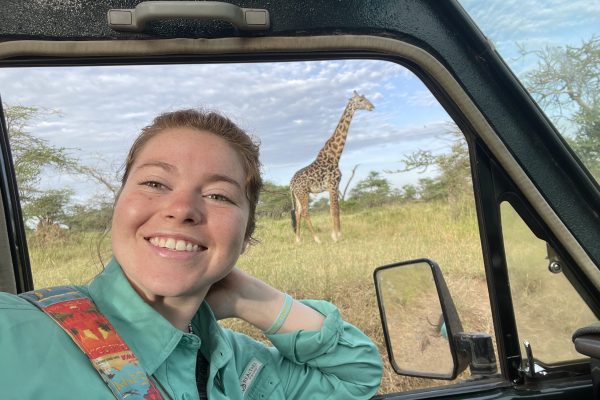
(39, 361)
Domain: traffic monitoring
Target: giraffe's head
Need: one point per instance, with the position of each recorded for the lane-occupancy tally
(360, 102)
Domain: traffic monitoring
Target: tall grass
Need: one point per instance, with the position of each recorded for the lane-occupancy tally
(338, 272)
(65, 258)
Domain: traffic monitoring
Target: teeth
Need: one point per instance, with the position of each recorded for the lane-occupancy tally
(174, 244)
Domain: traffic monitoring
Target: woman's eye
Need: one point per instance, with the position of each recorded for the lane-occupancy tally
(153, 184)
(219, 197)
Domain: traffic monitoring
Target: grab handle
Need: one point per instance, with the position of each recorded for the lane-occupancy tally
(134, 20)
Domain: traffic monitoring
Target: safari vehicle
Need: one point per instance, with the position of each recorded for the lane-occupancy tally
(529, 191)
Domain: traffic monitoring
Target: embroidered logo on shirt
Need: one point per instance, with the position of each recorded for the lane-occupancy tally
(251, 371)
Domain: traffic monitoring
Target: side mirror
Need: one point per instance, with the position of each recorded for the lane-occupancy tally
(422, 329)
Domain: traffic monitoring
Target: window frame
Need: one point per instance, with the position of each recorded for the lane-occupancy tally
(472, 114)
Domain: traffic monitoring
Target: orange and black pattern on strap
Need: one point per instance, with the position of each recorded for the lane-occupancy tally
(95, 336)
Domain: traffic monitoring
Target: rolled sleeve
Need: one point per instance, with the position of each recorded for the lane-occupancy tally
(337, 360)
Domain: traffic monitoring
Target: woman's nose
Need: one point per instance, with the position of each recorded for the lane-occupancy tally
(184, 207)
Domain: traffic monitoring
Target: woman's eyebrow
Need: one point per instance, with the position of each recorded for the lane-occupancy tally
(160, 164)
(224, 178)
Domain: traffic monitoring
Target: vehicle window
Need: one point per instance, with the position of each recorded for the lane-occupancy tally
(554, 49)
(405, 191)
(547, 307)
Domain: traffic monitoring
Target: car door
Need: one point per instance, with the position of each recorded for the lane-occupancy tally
(521, 171)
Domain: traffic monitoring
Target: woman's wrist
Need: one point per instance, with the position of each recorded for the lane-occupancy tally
(261, 305)
(284, 312)
(258, 303)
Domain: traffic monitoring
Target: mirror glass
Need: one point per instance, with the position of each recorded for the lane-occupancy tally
(414, 323)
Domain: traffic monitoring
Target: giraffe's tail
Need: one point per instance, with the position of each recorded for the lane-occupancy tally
(293, 212)
(294, 222)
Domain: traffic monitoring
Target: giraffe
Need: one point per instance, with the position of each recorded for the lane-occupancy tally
(324, 174)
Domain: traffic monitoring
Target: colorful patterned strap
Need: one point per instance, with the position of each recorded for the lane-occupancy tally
(78, 316)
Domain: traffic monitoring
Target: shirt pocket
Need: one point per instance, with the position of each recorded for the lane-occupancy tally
(263, 384)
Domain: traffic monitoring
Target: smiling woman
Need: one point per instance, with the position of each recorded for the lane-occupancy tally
(183, 216)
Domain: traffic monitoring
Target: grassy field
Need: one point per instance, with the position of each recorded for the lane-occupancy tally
(339, 272)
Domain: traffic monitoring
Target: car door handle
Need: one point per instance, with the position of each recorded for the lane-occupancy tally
(134, 20)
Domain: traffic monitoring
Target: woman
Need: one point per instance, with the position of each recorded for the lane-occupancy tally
(183, 216)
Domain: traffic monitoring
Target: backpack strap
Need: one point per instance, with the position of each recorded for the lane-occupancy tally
(78, 316)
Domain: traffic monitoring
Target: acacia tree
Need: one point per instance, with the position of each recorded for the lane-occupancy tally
(372, 191)
(454, 178)
(566, 83)
(31, 154)
(48, 208)
(275, 200)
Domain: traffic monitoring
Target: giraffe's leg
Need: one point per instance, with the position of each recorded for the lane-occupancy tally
(334, 208)
(303, 200)
(298, 212)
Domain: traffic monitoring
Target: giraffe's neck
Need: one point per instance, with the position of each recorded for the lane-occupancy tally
(335, 144)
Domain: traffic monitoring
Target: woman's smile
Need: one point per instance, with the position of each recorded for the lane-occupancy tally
(175, 244)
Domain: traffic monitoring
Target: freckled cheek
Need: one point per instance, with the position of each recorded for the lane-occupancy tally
(128, 214)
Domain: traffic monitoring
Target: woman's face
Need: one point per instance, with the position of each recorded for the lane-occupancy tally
(179, 222)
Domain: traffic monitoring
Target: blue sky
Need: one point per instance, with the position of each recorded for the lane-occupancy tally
(535, 23)
(291, 107)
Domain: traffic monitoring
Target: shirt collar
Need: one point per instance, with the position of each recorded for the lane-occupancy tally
(216, 347)
(149, 335)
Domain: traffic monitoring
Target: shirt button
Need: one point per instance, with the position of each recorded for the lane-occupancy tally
(187, 396)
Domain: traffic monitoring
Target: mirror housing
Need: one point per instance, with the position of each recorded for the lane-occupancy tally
(474, 350)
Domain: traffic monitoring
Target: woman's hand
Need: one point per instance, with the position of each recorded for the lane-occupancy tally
(243, 296)
(223, 296)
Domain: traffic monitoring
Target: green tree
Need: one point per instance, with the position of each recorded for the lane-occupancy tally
(409, 192)
(34, 156)
(48, 208)
(372, 191)
(566, 83)
(319, 205)
(86, 218)
(454, 178)
(275, 201)
(31, 154)
(431, 189)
